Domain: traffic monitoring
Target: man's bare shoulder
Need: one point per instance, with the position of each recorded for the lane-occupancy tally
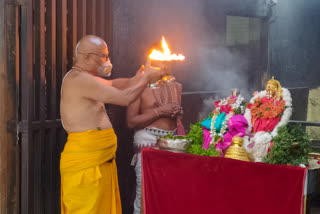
(83, 80)
(178, 84)
(76, 82)
(77, 77)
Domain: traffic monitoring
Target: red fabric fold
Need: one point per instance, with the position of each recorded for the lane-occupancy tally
(176, 183)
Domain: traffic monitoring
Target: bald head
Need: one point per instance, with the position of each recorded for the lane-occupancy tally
(91, 44)
(92, 55)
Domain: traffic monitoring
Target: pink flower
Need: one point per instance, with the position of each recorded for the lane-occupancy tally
(226, 109)
(216, 104)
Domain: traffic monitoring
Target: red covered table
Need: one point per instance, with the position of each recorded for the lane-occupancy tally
(175, 183)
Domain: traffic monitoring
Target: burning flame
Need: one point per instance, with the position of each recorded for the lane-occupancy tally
(166, 54)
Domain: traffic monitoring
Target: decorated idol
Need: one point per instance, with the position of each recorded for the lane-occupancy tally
(267, 110)
(226, 122)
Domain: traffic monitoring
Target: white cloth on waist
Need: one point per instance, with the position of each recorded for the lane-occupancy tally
(147, 138)
(144, 138)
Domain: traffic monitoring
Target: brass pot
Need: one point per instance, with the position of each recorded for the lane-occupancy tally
(236, 150)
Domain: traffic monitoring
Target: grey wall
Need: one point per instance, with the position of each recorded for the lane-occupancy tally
(294, 41)
(294, 44)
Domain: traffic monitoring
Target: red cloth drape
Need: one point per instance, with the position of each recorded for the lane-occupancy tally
(176, 183)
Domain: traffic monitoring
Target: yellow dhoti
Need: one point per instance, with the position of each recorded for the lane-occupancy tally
(89, 181)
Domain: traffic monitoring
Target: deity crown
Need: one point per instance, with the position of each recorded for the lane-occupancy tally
(274, 82)
(278, 87)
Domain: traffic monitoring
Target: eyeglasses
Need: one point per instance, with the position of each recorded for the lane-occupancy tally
(100, 55)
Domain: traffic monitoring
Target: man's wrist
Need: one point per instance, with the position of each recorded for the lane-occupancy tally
(134, 79)
(146, 78)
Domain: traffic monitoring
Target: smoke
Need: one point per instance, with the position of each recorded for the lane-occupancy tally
(221, 70)
(208, 103)
(207, 107)
(196, 29)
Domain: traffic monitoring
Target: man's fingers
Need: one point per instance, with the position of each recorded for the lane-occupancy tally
(148, 63)
(141, 70)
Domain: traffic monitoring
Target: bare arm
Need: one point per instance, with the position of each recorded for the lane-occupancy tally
(136, 120)
(179, 93)
(123, 83)
(95, 88)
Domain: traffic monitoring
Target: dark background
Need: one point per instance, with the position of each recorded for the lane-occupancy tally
(287, 48)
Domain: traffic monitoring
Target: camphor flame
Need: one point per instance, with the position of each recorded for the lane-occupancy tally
(166, 54)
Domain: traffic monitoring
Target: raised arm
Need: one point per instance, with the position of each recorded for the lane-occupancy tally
(123, 83)
(98, 89)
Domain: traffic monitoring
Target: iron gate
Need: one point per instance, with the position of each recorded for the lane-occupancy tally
(46, 35)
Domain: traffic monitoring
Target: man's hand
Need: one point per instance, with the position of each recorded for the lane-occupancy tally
(149, 74)
(140, 72)
(169, 110)
(153, 74)
(123, 83)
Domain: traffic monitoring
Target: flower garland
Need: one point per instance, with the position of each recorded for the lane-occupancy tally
(223, 129)
(226, 105)
(238, 102)
(286, 97)
(213, 133)
(267, 110)
(257, 145)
